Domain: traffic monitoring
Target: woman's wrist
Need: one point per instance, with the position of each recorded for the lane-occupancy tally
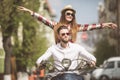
(101, 24)
(32, 13)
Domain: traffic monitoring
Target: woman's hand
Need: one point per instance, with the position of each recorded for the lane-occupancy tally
(25, 9)
(110, 25)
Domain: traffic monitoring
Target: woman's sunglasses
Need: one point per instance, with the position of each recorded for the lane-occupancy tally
(63, 34)
(68, 14)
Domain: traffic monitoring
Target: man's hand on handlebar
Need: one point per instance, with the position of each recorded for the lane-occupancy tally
(92, 64)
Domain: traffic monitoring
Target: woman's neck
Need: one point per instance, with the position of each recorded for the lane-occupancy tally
(68, 23)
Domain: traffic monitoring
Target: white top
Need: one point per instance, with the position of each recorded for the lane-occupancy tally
(72, 52)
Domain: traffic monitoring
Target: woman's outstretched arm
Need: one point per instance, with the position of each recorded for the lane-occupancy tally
(38, 16)
(88, 27)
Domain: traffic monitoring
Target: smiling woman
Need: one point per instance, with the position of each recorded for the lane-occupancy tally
(68, 18)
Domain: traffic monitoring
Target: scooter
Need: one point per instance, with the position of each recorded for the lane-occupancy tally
(52, 73)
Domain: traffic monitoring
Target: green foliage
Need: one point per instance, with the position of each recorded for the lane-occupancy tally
(9, 24)
(2, 56)
(7, 17)
(104, 50)
(33, 45)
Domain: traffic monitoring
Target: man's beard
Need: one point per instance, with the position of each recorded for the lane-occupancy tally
(65, 41)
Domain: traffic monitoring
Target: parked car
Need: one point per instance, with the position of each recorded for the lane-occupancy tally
(109, 71)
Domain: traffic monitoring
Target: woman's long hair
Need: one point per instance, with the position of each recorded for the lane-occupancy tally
(74, 26)
(56, 33)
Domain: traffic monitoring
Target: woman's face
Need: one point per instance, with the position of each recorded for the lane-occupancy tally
(69, 15)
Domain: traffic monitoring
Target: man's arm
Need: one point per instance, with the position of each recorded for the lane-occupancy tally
(45, 56)
(84, 53)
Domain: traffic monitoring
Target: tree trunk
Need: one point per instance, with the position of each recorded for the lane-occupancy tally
(118, 30)
(8, 50)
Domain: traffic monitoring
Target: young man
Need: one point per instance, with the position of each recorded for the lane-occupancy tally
(66, 50)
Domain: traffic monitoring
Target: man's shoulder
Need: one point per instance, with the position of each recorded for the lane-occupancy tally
(75, 45)
(53, 46)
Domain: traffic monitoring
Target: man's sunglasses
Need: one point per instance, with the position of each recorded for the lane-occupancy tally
(63, 34)
(68, 14)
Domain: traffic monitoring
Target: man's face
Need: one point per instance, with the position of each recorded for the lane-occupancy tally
(64, 35)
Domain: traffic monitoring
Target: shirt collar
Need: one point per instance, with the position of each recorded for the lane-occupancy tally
(59, 45)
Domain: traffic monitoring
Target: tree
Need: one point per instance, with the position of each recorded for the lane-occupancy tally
(9, 22)
(104, 50)
(31, 47)
(8, 25)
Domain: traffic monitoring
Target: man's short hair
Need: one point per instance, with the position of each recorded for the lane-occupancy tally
(61, 27)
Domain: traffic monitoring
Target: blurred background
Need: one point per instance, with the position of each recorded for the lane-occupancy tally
(23, 39)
